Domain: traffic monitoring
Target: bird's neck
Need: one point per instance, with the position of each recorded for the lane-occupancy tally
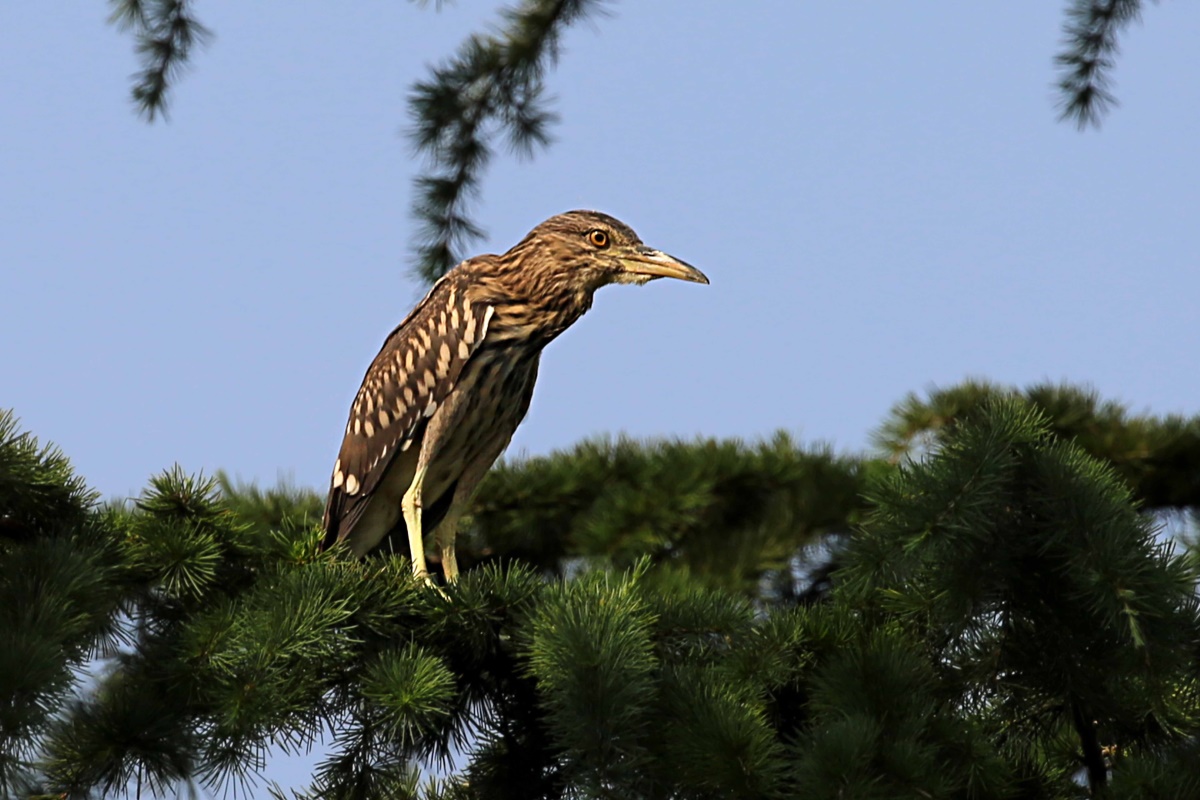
(535, 318)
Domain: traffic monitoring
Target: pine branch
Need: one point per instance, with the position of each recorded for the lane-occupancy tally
(1090, 47)
(492, 87)
(281, 508)
(1007, 539)
(1158, 456)
(165, 32)
(60, 592)
(724, 512)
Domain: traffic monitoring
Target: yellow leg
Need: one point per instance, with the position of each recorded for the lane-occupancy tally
(410, 505)
(445, 533)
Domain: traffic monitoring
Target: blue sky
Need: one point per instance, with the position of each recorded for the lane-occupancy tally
(880, 193)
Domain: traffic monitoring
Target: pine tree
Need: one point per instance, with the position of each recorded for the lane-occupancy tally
(1158, 457)
(1040, 594)
(61, 587)
(1003, 622)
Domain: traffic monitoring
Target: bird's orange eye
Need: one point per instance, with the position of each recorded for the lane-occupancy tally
(598, 239)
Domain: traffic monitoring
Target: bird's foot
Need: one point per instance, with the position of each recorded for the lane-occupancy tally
(428, 580)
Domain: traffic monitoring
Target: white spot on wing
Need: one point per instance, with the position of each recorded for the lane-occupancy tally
(432, 407)
(351, 484)
(338, 477)
(369, 428)
(487, 317)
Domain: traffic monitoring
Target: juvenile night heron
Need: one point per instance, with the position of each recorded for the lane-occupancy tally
(453, 381)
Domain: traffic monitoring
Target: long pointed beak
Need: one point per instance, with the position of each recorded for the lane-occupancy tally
(657, 264)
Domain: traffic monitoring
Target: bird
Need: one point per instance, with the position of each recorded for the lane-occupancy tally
(442, 399)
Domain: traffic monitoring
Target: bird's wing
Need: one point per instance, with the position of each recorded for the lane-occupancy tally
(419, 364)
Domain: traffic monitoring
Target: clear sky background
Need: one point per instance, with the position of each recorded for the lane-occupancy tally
(880, 193)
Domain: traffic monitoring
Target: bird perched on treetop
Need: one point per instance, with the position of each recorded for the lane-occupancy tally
(453, 381)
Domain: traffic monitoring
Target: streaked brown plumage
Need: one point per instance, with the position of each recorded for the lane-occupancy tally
(453, 381)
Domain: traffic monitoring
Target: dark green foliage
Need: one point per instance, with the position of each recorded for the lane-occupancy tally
(1159, 457)
(282, 508)
(1041, 594)
(1169, 776)
(880, 730)
(165, 32)
(723, 512)
(39, 492)
(1005, 623)
(593, 657)
(1090, 48)
(60, 590)
(492, 87)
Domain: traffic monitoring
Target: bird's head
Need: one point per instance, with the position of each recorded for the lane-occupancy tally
(588, 249)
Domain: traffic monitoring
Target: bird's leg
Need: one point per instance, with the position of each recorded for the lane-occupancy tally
(410, 505)
(446, 530)
(464, 490)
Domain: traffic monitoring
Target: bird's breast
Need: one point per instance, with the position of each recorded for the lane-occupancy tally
(492, 396)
